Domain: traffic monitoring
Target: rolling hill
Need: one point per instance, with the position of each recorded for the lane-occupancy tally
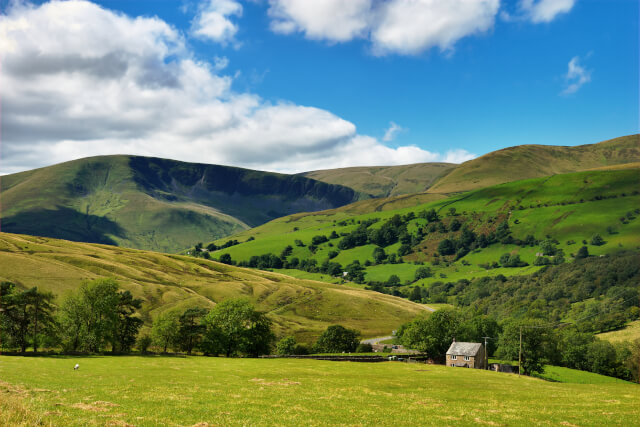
(533, 161)
(569, 208)
(154, 204)
(302, 308)
(385, 181)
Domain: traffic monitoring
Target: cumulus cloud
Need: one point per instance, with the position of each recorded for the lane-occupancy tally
(545, 10)
(80, 80)
(333, 20)
(213, 21)
(576, 76)
(395, 26)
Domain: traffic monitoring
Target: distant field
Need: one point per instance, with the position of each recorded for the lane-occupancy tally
(299, 307)
(151, 391)
(630, 333)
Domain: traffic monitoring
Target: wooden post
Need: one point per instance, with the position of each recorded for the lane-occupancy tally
(520, 353)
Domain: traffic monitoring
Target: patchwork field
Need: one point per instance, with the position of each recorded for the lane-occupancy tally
(151, 391)
(570, 208)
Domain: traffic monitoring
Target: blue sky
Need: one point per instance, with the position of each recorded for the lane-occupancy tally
(293, 89)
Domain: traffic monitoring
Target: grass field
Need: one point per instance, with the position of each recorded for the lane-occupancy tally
(630, 333)
(151, 391)
(303, 308)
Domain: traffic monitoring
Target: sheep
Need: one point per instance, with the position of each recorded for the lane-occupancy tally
(75, 368)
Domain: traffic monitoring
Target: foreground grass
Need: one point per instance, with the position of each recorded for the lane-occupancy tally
(186, 391)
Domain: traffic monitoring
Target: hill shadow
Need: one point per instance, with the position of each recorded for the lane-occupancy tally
(64, 223)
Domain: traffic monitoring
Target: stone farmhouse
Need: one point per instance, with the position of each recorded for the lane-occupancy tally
(466, 355)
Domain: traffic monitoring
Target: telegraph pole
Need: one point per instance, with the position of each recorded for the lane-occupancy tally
(520, 354)
(486, 353)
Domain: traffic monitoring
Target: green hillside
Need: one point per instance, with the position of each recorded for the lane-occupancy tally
(532, 161)
(154, 204)
(303, 308)
(385, 181)
(566, 209)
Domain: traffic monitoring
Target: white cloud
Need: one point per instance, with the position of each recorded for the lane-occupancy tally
(545, 10)
(576, 76)
(412, 26)
(406, 27)
(392, 131)
(213, 20)
(79, 80)
(333, 20)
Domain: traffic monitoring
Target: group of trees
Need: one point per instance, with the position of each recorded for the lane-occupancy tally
(96, 316)
(542, 343)
(335, 339)
(233, 327)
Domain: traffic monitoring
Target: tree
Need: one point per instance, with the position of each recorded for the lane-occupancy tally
(379, 255)
(234, 326)
(144, 342)
(393, 280)
(423, 273)
(337, 339)
(191, 328)
(433, 334)
(446, 247)
(127, 325)
(597, 240)
(538, 344)
(416, 294)
(355, 272)
(41, 313)
(286, 346)
(165, 330)
(89, 316)
(583, 252)
(226, 259)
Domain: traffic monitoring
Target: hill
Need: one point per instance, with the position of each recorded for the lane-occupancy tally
(532, 161)
(303, 308)
(154, 204)
(198, 391)
(385, 181)
(566, 210)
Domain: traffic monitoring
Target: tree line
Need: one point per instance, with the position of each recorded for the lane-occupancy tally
(542, 343)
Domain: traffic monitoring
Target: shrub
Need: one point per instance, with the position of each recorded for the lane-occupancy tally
(364, 348)
(597, 240)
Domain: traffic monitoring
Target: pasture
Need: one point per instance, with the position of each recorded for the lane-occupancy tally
(150, 391)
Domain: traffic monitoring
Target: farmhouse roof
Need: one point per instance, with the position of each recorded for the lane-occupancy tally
(464, 348)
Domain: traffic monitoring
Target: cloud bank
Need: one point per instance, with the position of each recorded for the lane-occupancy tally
(80, 80)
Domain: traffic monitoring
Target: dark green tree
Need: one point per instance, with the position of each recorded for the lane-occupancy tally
(337, 339)
(191, 328)
(286, 346)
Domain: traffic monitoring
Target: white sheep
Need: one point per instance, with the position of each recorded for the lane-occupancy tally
(75, 368)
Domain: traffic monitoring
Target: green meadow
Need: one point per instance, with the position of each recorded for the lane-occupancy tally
(172, 391)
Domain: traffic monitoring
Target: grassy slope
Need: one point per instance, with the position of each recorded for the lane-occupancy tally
(300, 307)
(154, 204)
(531, 161)
(572, 221)
(385, 181)
(630, 333)
(186, 391)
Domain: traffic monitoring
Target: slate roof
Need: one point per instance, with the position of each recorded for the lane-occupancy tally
(464, 348)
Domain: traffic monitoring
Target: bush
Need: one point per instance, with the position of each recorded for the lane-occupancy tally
(597, 240)
(583, 252)
(337, 339)
(144, 342)
(286, 346)
(364, 348)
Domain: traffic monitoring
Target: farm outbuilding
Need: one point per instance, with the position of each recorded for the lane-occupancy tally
(466, 355)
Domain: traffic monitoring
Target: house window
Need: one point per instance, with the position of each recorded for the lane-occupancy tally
(467, 358)
(454, 357)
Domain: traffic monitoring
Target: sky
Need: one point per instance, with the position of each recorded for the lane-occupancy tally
(299, 85)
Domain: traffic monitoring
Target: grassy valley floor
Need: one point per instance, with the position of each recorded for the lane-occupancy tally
(150, 391)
